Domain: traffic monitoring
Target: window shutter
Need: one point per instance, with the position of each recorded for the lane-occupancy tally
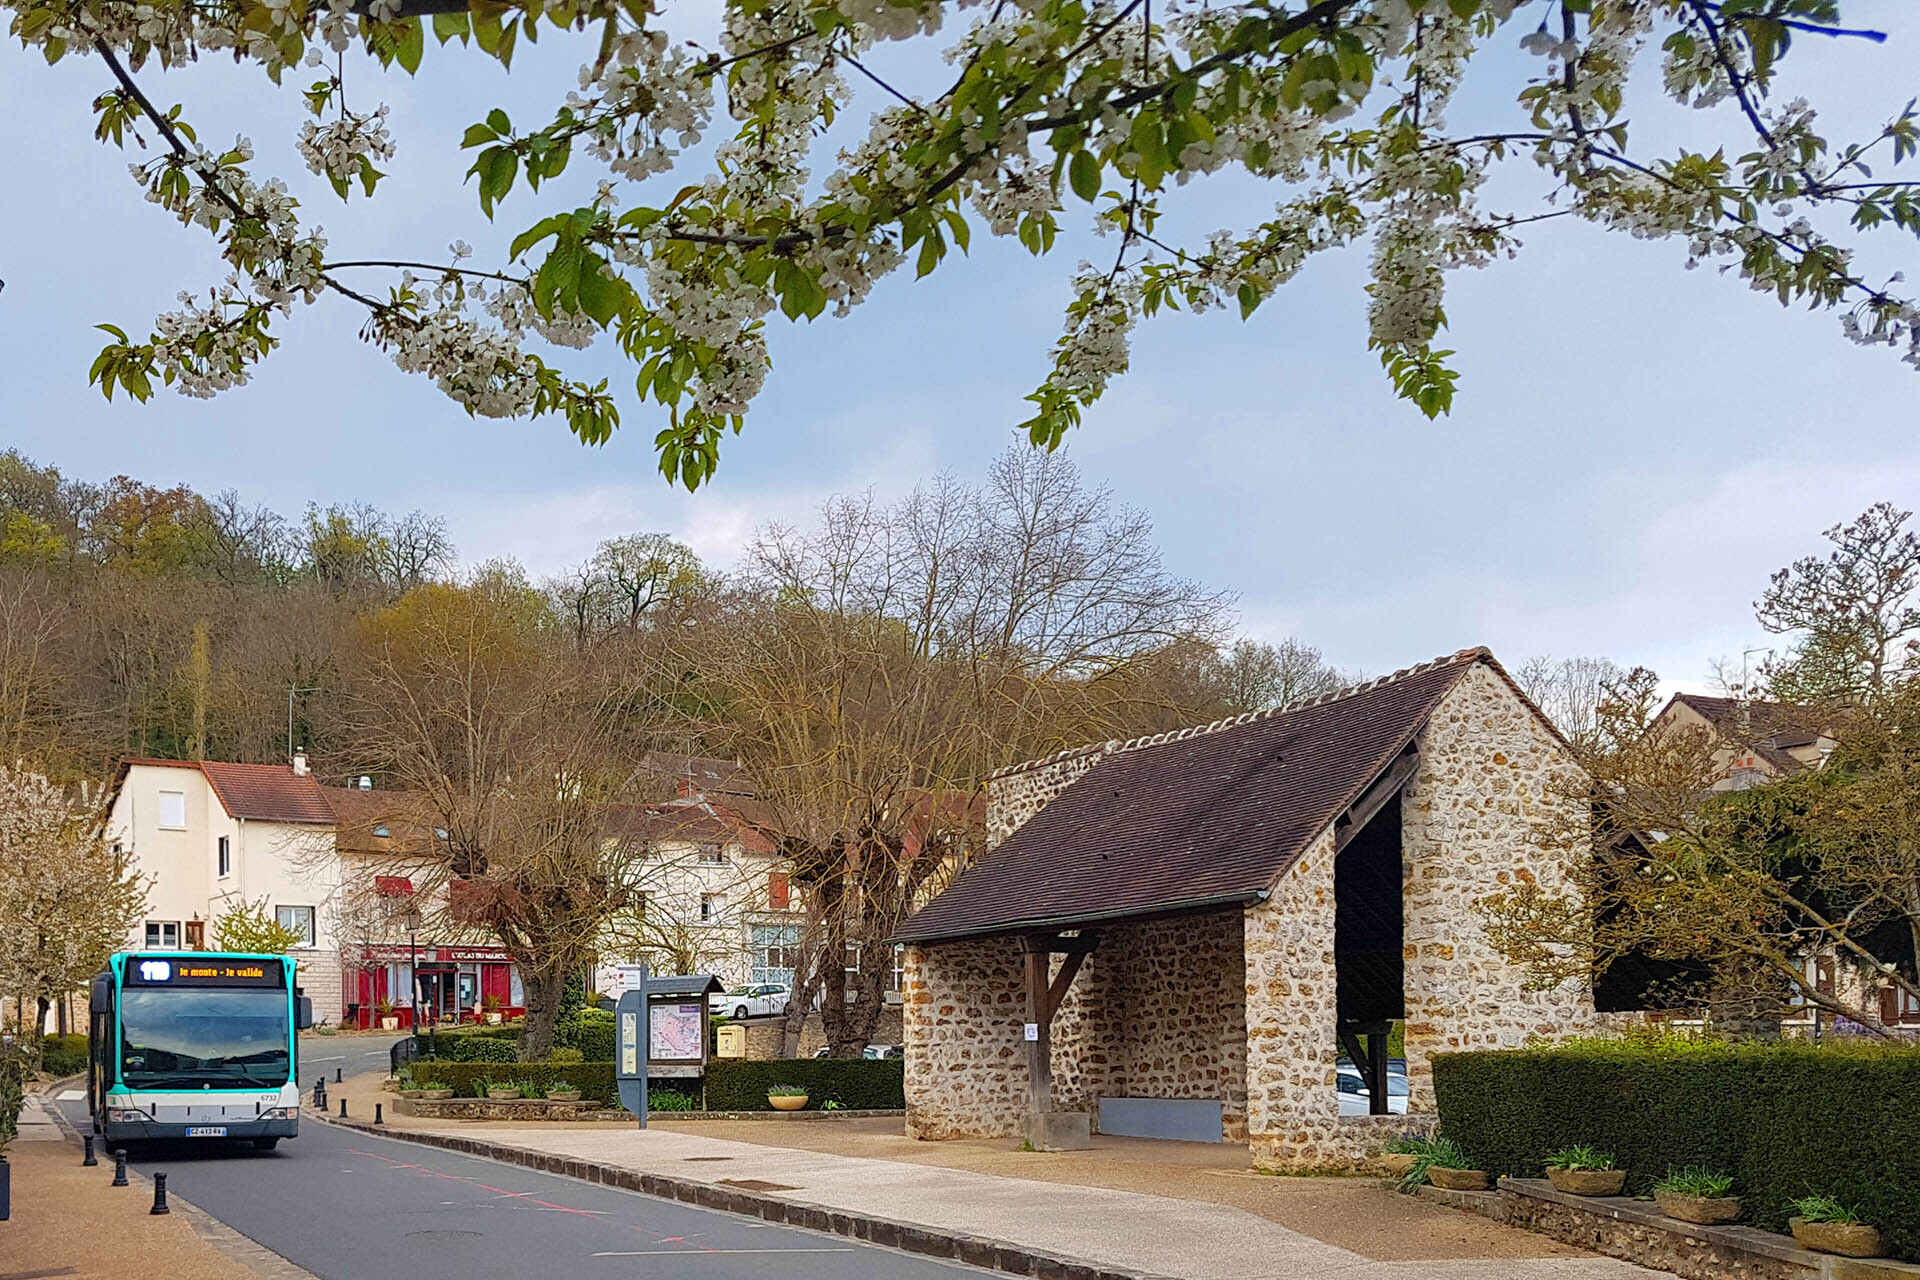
(1889, 1005)
(778, 895)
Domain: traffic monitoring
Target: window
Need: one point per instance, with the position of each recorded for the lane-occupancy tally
(381, 831)
(226, 856)
(163, 934)
(709, 907)
(173, 810)
(196, 935)
(711, 855)
(779, 891)
(897, 979)
(776, 952)
(298, 919)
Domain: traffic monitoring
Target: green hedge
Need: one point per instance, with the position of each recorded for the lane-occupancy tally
(63, 1055)
(447, 1036)
(855, 1083)
(481, 1049)
(1785, 1119)
(595, 1080)
(588, 1030)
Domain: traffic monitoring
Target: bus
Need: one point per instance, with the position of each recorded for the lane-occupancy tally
(196, 1045)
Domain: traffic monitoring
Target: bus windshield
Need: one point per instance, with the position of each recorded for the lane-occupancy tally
(187, 1037)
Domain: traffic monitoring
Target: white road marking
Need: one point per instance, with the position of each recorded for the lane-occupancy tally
(70, 1095)
(695, 1253)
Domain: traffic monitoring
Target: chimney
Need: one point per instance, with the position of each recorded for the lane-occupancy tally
(366, 783)
(299, 764)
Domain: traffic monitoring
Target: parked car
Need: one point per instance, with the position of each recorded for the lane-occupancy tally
(1354, 1099)
(874, 1051)
(759, 1000)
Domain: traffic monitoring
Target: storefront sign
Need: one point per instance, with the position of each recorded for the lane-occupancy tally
(476, 955)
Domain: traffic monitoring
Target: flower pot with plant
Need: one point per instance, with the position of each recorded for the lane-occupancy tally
(1400, 1155)
(434, 1091)
(491, 1006)
(1584, 1171)
(1441, 1162)
(383, 1010)
(500, 1090)
(1825, 1225)
(786, 1097)
(563, 1091)
(1697, 1194)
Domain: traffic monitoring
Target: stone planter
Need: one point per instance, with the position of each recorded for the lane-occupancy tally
(412, 1093)
(390, 1023)
(1588, 1182)
(1458, 1179)
(1705, 1210)
(503, 1093)
(790, 1103)
(493, 1019)
(1396, 1163)
(564, 1095)
(435, 1095)
(1848, 1239)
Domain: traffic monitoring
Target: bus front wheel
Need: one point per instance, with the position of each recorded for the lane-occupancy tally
(265, 1144)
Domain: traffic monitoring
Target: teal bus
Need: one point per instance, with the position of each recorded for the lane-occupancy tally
(196, 1045)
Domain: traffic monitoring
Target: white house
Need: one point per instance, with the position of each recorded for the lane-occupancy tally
(208, 835)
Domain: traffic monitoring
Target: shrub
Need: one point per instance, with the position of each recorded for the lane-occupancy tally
(63, 1055)
(858, 1083)
(1696, 1180)
(482, 1049)
(1781, 1118)
(1428, 1152)
(565, 1055)
(671, 1100)
(595, 1080)
(591, 1031)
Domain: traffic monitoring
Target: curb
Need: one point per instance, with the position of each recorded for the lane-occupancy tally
(910, 1237)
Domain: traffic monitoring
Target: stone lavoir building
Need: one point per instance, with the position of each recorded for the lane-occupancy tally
(1178, 936)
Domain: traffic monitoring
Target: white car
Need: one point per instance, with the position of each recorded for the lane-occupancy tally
(762, 999)
(1353, 1091)
(873, 1051)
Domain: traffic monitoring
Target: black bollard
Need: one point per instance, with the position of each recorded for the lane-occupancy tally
(120, 1166)
(376, 1114)
(159, 1194)
(343, 1108)
(90, 1161)
(319, 1089)
(336, 1075)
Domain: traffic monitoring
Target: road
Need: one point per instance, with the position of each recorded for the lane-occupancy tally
(347, 1206)
(351, 1055)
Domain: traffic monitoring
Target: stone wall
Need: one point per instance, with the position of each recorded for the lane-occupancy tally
(1475, 816)
(1020, 792)
(319, 979)
(964, 1019)
(1485, 809)
(766, 1036)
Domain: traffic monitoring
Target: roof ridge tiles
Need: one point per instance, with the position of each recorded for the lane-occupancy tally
(1477, 653)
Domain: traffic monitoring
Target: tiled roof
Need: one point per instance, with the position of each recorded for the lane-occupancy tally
(256, 792)
(688, 824)
(707, 774)
(406, 818)
(1210, 814)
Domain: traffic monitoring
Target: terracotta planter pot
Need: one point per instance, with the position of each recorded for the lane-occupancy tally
(1588, 1182)
(503, 1095)
(1848, 1239)
(1458, 1179)
(565, 1095)
(787, 1104)
(1396, 1163)
(435, 1095)
(1705, 1210)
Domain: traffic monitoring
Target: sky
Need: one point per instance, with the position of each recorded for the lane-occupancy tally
(1634, 447)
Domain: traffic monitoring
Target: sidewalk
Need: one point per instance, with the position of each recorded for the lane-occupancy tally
(69, 1221)
(1204, 1218)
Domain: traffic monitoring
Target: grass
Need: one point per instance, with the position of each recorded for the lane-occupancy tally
(1696, 1180)
(1427, 1153)
(1818, 1208)
(1580, 1157)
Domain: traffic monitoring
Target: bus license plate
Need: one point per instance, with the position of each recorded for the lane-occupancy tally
(207, 1131)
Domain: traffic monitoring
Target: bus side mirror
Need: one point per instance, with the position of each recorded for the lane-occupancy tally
(303, 1016)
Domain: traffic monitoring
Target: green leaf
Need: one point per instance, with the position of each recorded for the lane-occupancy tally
(498, 122)
(412, 45)
(1083, 172)
(478, 135)
(448, 25)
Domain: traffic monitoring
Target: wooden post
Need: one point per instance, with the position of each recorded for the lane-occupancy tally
(1039, 1016)
(1377, 1051)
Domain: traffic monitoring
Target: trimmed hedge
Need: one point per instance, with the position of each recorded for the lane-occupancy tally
(447, 1036)
(735, 1084)
(63, 1055)
(595, 1080)
(1786, 1119)
(482, 1049)
(588, 1030)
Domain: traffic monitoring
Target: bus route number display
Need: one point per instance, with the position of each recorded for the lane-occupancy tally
(197, 971)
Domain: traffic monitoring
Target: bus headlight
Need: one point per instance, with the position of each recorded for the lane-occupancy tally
(126, 1115)
(280, 1113)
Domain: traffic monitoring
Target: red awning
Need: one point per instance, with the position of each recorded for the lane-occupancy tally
(392, 886)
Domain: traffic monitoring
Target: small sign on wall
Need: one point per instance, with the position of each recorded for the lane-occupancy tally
(1033, 1031)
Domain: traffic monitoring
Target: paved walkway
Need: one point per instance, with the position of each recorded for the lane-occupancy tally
(1189, 1236)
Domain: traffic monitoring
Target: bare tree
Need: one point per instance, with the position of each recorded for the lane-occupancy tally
(415, 550)
(1570, 691)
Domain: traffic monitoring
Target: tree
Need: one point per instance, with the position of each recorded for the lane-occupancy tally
(248, 926)
(1102, 113)
(1725, 893)
(67, 902)
(870, 672)
(514, 754)
(1571, 691)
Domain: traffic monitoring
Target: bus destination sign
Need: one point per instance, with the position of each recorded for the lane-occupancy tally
(186, 970)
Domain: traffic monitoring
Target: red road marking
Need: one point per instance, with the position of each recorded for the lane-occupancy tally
(454, 1177)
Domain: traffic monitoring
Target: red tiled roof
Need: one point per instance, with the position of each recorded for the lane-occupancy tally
(256, 792)
(687, 823)
(1212, 814)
